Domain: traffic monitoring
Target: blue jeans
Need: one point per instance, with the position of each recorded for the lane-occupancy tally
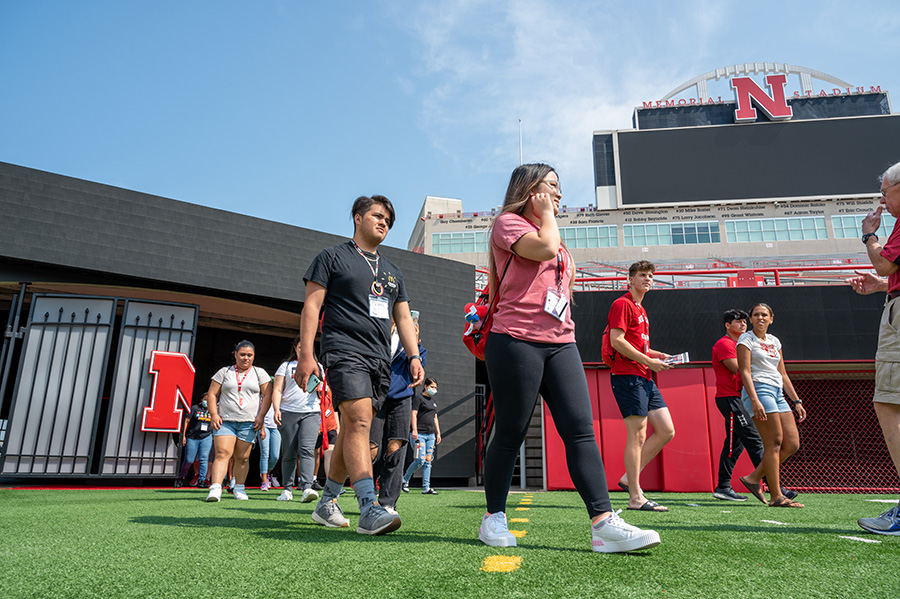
(269, 450)
(194, 448)
(422, 448)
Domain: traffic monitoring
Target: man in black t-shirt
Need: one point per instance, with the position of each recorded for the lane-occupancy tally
(360, 291)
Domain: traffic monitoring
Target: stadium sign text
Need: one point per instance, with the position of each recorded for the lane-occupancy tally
(745, 90)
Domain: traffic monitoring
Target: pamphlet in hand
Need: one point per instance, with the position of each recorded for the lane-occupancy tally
(678, 359)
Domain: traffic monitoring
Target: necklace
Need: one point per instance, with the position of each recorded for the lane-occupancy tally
(377, 288)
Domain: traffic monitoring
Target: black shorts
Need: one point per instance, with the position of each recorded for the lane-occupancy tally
(392, 421)
(635, 395)
(332, 437)
(354, 376)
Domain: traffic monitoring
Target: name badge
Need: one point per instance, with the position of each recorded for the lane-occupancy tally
(204, 427)
(556, 304)
(379, 307)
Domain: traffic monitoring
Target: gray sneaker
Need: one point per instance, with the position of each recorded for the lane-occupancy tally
(378, 521)
(328, 513)
(887, 523)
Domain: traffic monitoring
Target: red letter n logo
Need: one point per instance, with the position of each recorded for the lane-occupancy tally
(775, 106)
(173, 381)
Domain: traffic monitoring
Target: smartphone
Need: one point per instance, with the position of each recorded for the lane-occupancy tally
(312, 383)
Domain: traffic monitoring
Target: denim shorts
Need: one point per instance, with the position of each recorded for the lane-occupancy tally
(635, 395)
(242, 430)
(770, 396)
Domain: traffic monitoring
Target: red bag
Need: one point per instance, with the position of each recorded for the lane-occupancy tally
(475, 339)
(607, 353)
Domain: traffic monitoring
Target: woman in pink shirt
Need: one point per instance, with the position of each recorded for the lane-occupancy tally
(532, 350)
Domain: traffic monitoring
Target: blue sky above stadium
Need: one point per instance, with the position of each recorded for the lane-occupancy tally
(288, 110)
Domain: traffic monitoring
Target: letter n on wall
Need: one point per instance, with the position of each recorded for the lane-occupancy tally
(747, 93)
(173, 381)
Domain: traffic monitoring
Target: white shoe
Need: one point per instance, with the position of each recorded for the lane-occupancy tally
(240, 492)
(495, 532)
(231, 483)
(286, 495)
(614, 535)
(308, 496)
(273, 482)
(215, 493)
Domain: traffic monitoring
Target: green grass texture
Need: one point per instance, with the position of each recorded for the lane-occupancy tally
(171, 543)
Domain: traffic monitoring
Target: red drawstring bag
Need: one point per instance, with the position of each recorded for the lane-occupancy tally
(475, 339)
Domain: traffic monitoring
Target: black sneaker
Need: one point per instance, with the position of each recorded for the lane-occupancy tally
(179, 482)
(429, 492)
(203, 484)
(789, 493)
(728, 495)
(316, 486)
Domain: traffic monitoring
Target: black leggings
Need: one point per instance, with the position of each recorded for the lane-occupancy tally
(518, 371)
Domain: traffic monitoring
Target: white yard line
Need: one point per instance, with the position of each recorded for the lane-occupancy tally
(775, 522)
(860, 539)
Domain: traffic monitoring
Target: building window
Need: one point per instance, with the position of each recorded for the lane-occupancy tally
(577, 238)
(672, 234)
(776, 229)
(463, 242)
(849, 226)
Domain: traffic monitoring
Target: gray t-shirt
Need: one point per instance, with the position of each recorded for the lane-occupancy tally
(243, 406)
(764, 358)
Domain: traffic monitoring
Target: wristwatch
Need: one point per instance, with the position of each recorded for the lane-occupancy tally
(865, 238)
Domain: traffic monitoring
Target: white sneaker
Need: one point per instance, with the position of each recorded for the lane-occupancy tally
(215, 493)
(273, 482)
(231, 483)
(390, 510)
(495, 532)
(240, 493)
(614, 535)
(286, 495)
(308, 496)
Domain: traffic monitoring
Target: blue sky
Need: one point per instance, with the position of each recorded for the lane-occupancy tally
(288, 110)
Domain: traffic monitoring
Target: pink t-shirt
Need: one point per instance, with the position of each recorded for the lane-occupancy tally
(523, 291)
(891, 251)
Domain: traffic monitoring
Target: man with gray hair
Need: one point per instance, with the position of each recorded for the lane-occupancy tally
(886, 261)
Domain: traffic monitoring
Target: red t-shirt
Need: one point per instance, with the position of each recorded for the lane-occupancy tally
(728, 384)
(523, 291)
(891, 251)
(631, 317)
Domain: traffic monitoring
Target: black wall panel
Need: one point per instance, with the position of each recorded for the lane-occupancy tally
(821, 323)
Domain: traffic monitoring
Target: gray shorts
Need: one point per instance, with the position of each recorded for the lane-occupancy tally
(354, 376)
(887, 358)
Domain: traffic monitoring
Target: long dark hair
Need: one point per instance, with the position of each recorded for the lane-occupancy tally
(292, 355)
(522, 182)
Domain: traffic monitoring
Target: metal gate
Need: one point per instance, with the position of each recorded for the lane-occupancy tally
(59, 411)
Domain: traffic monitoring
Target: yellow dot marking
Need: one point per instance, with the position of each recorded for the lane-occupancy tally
(522, 509)
(519, 520)
(501, 563)
(518, 533)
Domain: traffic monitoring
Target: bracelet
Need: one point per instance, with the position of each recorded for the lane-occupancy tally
(419, 358)
(797, 402)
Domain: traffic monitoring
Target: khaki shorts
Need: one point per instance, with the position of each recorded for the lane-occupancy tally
(887, 358)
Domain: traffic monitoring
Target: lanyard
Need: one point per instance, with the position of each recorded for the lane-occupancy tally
(559, 270)
(240, 381)
(377, 288)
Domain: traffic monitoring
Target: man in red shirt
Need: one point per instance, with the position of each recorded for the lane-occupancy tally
(886, 260)
(740, 432)
(632, 384)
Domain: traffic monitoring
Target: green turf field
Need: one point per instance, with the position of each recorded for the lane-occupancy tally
(170, 543)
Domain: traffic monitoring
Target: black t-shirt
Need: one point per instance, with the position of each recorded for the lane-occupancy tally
(347, 324)
(427, 410)
(200, 420)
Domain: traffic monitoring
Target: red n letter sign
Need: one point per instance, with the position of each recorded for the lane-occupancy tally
(173, 380)
(775, 106)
